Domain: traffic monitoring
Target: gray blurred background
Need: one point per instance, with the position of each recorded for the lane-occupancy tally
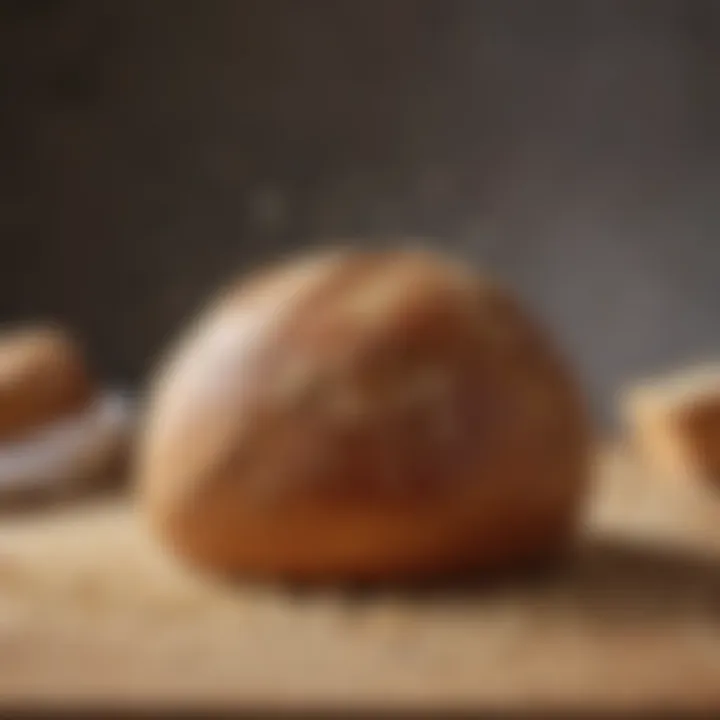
(150, 149)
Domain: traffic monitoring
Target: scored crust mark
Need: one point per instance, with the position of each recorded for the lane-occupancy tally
(333, 323)
(421, 397)
(383, 292)
(323, 295)
(423, 392)
(301, 372)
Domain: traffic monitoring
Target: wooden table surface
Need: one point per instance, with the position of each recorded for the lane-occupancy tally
(92, 612)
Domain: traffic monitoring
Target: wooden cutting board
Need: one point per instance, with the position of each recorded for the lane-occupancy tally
(91, 611)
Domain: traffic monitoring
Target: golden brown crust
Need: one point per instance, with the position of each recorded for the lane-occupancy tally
(364, 415)
(42, 378)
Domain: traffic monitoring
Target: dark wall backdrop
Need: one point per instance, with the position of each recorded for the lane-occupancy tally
(149, 148)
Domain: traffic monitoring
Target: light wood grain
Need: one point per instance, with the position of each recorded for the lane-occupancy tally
(91, 610)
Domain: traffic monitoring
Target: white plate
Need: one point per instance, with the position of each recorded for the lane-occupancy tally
(69, 451)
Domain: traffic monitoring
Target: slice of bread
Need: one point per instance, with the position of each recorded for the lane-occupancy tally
(673, 422)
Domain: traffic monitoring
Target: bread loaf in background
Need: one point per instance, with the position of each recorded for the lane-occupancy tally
(360, 416)
(60, 429)
(43, 377)
(673, 422)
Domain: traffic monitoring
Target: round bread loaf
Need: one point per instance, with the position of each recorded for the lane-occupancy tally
(361, 416)
(43, 377)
